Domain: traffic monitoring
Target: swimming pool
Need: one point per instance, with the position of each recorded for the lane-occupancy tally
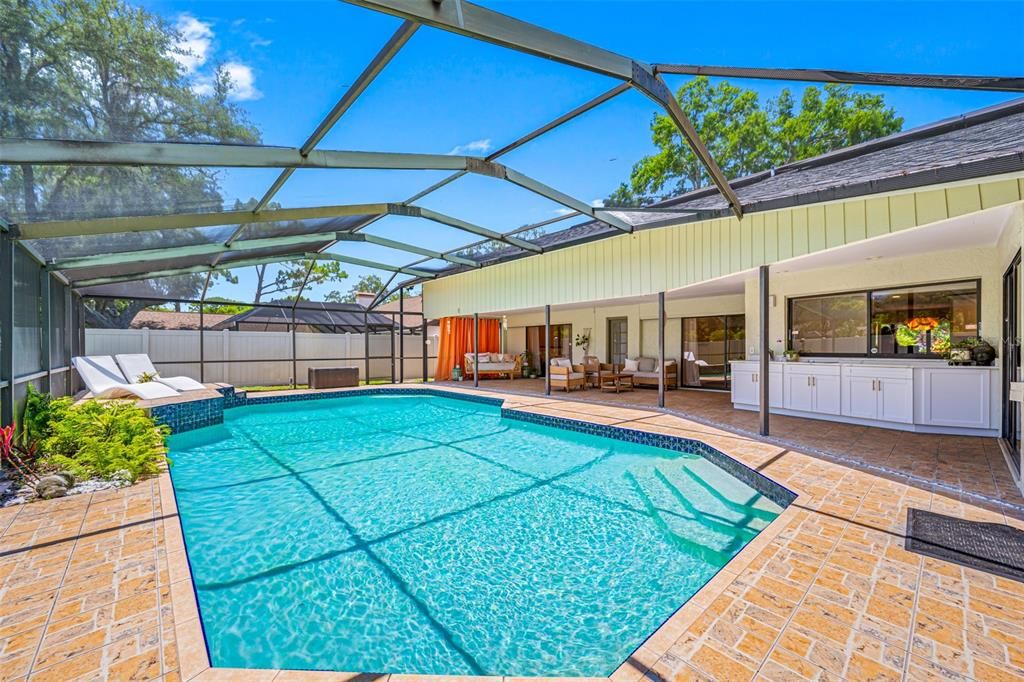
(426, 534)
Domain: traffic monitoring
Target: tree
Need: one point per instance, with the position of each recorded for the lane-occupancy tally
(291, 274)
(745, 137)
(105, 70)
(218, 305)
(370, 284)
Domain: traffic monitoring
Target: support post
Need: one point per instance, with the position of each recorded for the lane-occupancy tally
(661, 349)
(476, 350)
(547, 349)
(366, 345)
(6, 329)
(763, 372)
(423, 342)
(202, 329)
(68, 350)
(401, 335)
(45, 328)
(392, 335)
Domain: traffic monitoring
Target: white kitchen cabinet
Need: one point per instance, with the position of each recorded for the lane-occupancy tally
(956, 397)
(882, 393)
(746, 384)
(813, 387)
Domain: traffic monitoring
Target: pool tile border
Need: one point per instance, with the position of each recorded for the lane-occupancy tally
(193, 653)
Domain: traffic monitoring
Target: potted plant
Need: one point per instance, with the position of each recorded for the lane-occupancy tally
(456, 373)
(959, 353)
(791, 355)
(528, 371)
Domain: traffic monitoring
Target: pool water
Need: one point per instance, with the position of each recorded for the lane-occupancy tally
(423, 534)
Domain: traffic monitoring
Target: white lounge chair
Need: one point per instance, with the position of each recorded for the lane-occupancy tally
(104, 380)
(135, 365)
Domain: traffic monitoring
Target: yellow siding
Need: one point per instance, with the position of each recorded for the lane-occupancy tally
(667, 258)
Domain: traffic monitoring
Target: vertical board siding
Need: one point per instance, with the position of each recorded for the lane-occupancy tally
(649, 261)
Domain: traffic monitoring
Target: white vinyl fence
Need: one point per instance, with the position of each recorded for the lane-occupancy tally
(261, 358)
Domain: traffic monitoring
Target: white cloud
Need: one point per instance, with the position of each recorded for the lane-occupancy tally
(476, 147)
(243, 83)
(597, 203)
(240, 77)
(563, 211)
(195, 44)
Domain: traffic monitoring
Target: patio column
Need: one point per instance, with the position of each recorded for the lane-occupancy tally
(366, 346)
(6, 329)
(69, 331)
(547, 349)
(401, 335)
(763, 371)
(423, 343)
(476, 349)
(661, 349)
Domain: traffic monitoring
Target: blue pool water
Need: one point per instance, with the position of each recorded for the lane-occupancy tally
(424, 534)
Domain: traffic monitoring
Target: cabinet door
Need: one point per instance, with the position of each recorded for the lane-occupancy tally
(744, 387)
(860, 398)
(828, 395)
(775, 389)
(799, 394)
(896, 400)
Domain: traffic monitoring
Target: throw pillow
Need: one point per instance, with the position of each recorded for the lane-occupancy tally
(631, 366)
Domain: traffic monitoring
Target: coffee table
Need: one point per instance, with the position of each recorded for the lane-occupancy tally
(616, 381)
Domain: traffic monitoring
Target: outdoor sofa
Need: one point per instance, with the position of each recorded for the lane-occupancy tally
(493, 364)
(645, 371)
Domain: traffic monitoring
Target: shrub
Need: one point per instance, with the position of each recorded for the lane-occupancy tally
(100, 439)
(35, 421)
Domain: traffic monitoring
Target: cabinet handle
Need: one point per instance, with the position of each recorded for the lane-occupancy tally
(879, 384)
(874, 383)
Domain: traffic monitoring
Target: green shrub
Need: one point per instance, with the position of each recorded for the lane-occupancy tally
(100, 439)
(35, 421)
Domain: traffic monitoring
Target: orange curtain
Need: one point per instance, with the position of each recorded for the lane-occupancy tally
(456, 339)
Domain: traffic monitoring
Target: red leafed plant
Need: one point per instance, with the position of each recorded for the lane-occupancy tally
(15, 454)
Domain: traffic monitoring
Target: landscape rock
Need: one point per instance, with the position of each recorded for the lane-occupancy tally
(50, 487)
(67, 476)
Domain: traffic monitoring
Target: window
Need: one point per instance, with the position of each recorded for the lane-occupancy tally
(917, 321)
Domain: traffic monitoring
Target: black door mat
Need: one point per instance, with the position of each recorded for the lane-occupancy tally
(990, 547)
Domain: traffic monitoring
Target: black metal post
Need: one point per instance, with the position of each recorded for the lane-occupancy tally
(476, 349)
(68, 350)
(423, 342)
(202, 342)
(6, 328)
(764, 366)
(392, 349)
(661, 349)
(366, 344)
(401, 335)
(45, 327)
(547, 350)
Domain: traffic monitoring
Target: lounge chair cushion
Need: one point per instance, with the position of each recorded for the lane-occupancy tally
(570, 375)
(104, 379)
(561, 362)
(134, 365)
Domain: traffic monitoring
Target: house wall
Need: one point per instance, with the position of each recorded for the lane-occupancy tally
(642, 323)
(938, 266)
(649, 261)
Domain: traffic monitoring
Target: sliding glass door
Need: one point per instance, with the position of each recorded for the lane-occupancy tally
(560, 344)
(618, 339)
(709, 343)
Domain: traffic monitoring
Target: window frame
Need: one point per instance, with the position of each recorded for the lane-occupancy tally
(867, 293)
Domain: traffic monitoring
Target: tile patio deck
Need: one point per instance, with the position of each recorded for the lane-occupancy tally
(97, 586)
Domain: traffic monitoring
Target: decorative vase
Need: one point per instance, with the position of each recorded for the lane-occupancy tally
(959, 356)
(456, 373)
(984, 353)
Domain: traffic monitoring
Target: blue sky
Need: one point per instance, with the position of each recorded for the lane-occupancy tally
(293, 60)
